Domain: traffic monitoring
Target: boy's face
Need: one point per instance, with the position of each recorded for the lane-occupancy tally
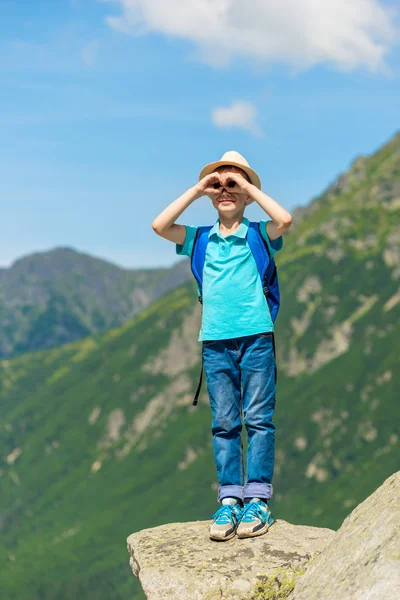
(231, 201)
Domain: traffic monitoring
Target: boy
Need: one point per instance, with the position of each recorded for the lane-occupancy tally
(237, 345)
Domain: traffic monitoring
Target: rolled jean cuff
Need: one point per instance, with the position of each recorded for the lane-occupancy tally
(230, 491)
(258, 490)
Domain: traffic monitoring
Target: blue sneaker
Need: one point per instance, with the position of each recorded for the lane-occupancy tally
(225, 520)
(256, 519)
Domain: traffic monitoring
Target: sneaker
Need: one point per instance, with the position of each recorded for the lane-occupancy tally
(225, 520)
(256, 519)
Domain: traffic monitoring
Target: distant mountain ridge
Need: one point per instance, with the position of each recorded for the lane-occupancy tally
(50, 298)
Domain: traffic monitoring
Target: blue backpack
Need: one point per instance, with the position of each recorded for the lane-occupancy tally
(265, 265)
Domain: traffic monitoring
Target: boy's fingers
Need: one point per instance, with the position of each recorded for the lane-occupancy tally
(210, 179)
(232, 177)
(214, 177)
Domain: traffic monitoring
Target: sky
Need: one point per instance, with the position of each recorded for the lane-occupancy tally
(109, 109)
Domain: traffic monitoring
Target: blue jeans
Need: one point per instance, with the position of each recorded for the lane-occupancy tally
(240, 374)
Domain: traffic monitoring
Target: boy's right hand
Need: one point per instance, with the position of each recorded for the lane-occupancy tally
(205, 186)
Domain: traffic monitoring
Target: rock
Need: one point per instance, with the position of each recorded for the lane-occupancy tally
(362, 561)
(178, 561)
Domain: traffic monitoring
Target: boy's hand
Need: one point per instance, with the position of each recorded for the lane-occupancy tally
(206, 187)
(242, 185)
(221, 180)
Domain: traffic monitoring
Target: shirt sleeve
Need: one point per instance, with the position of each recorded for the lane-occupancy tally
(273, 245)
(187, 247)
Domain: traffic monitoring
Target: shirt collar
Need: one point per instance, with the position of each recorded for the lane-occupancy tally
(240, 232)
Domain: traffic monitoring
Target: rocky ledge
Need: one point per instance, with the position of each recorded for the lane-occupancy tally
(178, 561)
(361, 561)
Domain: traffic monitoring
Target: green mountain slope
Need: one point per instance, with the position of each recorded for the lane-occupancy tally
(51, 298)
(99, 439)
(87, 426)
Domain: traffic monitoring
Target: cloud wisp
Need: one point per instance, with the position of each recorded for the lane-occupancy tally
(241, 114)
(302, 33)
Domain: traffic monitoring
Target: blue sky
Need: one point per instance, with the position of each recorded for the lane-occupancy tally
(109, 110)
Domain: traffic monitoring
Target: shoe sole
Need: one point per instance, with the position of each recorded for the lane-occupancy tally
(222, 539)
(255, 533)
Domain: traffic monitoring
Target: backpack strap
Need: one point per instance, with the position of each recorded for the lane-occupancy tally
(197, 265)
(196, 396)
(199, 256)
(266, 267)
(260, 251)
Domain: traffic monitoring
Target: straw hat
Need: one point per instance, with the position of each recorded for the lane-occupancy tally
(235, 159)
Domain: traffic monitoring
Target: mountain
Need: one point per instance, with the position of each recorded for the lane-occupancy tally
(83, 444)
(50, 298)
(99, 438)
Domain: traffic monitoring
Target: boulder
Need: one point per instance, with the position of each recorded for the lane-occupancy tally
(362, 561)
(178, 561)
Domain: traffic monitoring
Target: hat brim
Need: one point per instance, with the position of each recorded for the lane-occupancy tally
(254, 178)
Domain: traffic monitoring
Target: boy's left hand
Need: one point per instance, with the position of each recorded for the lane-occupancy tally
(241, 187)
(240, 181)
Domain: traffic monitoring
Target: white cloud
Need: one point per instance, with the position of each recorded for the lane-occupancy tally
(89, 53)
(347, 34)
(241, 114)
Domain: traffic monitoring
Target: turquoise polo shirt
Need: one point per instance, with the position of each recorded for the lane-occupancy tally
(234, 303)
